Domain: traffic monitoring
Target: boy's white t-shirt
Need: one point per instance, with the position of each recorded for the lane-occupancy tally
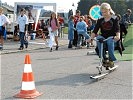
(3, 20)
(22, 21)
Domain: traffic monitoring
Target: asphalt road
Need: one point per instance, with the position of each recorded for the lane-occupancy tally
(65, 74)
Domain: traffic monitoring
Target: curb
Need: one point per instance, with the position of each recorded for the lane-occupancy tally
(25, 50)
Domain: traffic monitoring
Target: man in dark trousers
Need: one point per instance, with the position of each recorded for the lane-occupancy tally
(76, 20)
(125, 20)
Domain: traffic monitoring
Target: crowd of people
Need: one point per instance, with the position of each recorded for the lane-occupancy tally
(81, 29)
(26, 25)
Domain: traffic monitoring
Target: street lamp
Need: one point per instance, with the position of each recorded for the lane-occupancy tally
(73, 4)
(74, 8)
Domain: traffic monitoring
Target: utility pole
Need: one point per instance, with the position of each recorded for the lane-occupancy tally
(74, 8)
(0, 3)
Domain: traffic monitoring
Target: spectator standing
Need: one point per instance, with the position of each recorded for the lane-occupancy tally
(125, 20)
(89, 26)
(119, 19)
(81, 28)
(3, 21)
(61, 24)
(76, 20)
(31, 21)
(22, 22)
(88, 21)
(71, 31)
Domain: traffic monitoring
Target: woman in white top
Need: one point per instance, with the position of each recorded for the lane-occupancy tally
(3, 21)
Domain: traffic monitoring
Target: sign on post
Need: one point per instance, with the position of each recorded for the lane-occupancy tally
(95, 12)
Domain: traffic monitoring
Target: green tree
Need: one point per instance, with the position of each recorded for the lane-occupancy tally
(85, 5)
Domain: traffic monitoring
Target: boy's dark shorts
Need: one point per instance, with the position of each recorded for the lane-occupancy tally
(2, 30)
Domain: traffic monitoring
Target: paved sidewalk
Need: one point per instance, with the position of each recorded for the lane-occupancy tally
(11, 46)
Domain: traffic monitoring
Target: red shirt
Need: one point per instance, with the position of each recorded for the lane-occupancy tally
(61, 20)
(88, 22)
(37, 27)
(76, 19)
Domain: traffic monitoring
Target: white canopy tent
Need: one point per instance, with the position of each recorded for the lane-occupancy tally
(34, 8)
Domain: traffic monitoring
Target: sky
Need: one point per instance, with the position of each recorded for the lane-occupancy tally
(61, 4)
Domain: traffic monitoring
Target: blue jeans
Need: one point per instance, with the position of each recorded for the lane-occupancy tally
(110, 47)
(70, 43)
(22, 39)
(82, 35)
(2, 30)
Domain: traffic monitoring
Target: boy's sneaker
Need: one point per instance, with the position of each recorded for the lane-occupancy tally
(69, 46)
(26, 46)
(50, 49)
(56, 47)
(105, 63)
(111, 64)
(21, 48)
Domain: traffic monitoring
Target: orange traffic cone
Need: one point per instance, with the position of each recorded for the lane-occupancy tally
(28, 90)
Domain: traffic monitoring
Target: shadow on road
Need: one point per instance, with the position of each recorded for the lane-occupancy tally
(70, 80)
